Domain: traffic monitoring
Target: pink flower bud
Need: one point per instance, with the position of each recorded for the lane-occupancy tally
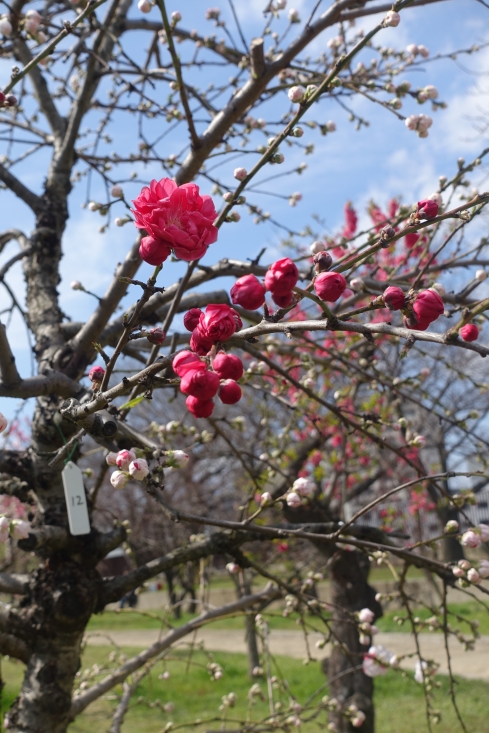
(392, 19)
(359, 718)
(177, 458)
(191, 319)
(186, 360)
(427, 307)
(266, 498)
(366, 615)
(119, 479)
(356, 284)
(111, 459)
(283, 301)
(199, 343)
(470, 539)
(228, 366)
(293, 499)
(317, 247)
(199, 408)
(156, 336)
(240, 173)
(330, 286)
(139, 469)
(248, 292)
(4, 529)
(124, 458)
(322, 261)
(230, 392)
(464, 564)
(304, 487)
(484, 532)
(176, 16)
(3, 422)
(154, 251)
(423, 51)
(281, 277)
(469, 332)
(484, 568)
(296, 94)
(200, 383)
(20, 529)
(232, 568)
(427, 209)
(218, 323)
(458, 572)
(144, 6)
(473, 576)
(116, 191)
(5, 26)
(96, 374)
(411, 122)
(394, 298)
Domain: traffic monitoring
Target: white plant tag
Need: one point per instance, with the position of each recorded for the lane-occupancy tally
(76, 501)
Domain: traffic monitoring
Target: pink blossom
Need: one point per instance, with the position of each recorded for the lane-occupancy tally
(304, 487)
(296, 94)
(427, 209)
(154, 251)
(248, 292)
(266, 498)
(366, 615)
(392, 19)
(156, 336)
(217, 323)
(330, 286)
(20, 529)
(124, 458)
(3, 422)
(470, 539)
(394, 298)
(191, 319)
(484, 532)
(228, 366)
(111, 459)
(484, 568)
(178, 216)
(281, 277)
(96, 374)
(358, 719)
(139, 469)
(469, 332)
(200, 383)
(199, 408)
(240, 173)
(473, 576)
(119, 479)
(293, 499)
(230, 392)
(199, 343)
(186, 360)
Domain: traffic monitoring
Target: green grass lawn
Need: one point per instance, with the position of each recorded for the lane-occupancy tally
(470, 611)
(399, 701)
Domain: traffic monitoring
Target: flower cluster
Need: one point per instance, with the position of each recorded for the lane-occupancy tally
(280, 279)
(18, 529)
(300, 492)
(202, 384)
(419, 123)
(473, 572)
(377, 661)
(130, 466)
(177, 219)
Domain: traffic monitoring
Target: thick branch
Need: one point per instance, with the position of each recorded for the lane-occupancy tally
(28, 197)
(83, 700)
(14, 583)
(10, 646)
(51, 383)
(8, 369)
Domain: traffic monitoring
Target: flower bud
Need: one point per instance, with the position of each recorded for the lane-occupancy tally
(116, 191)
(230, 392)
(470, 539)
(240, 173)
(200, 383)
(484, 568)
(96, 374)
(480, 275)
(427, 209)
(5, 26)
(139, 469)
(317, 247)
(3, 422)
(124, 458)
(451, 526)
(281, 277)
(322, 261)
(228, 366)
(458, 572)
(119, 479)
(19, 529)
(232, 568)
(111, 459)
(177, 458)
(484, 532)
(392, 19)
(330, 286)
(296, 94)
(469, 332)
(293, 499)
(4, 529)
(366, 615)
(156, 336)
(356, 284)
(76, 285)
(191, 319)
(185, 361)
(176, 17)
(144, 6)
(266, 498)
(473, 576)
(248, 292)
(199, 408)
(283, 301)
(394, 298)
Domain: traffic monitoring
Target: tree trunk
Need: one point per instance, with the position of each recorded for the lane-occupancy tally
(347, 682)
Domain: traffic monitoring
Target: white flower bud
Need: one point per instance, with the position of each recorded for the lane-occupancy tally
(240, 173)
(144, 6)
(116, 192)
(480, 275)
(5, 26)
(119, 479)
(139, 469)
(392, 19)
(296, 94)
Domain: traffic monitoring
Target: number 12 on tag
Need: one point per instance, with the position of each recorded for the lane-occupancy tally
(76, 502)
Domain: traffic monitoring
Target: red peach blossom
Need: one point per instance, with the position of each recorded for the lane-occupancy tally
(330, 286)
(186, 360)
(248, 292)
(428, 306)
(411, 239)
(199, 408)
(469, 332)
(200, 383)
(283, 301)
(281, 277)
(96, 374)
(230, 392)
(228, 366)
(427, 209)
(154, 251)
(199, 343)
(394, 298)
(217, 323)
(156, 336)
(191, 319)
(177, 216)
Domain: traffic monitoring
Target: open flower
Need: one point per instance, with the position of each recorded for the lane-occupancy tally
(175, 217)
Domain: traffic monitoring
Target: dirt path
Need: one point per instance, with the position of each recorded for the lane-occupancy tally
(473, 664)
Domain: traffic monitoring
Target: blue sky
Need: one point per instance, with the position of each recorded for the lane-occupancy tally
(381, 161)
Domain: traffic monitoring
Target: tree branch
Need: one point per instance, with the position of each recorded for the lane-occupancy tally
(10, 646)
(14, 583)
(84, 699)
(52, 382)
(28, 197)
(8, 369)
